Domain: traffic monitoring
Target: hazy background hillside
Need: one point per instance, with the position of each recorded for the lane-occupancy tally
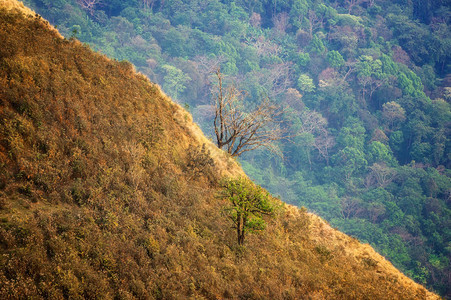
(366, 87)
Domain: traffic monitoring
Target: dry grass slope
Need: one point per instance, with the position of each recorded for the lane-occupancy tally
(99, 198)
(13, 5)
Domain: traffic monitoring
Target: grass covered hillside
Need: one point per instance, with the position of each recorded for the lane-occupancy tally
(109, 190)
(365, 84)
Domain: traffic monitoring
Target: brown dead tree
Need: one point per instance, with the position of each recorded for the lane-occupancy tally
(352, 3)
(148, 4)
(88, 5)
(238, 131)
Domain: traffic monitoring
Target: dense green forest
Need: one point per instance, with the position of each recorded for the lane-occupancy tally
(366, 89)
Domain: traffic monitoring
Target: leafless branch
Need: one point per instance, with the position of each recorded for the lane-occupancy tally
(281, 23)
(275, 78)
(239, 131)
(89, 5)
(264, 47)
(380, 175)
(148, 4)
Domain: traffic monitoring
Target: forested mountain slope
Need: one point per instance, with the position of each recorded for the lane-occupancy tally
(365, 85)
(99, 198)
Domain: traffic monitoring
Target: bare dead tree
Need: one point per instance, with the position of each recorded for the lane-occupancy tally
(315, 21)
(380, 175)
(281, 23)
(351, 68)
(280, 75)
(148, 4)
(370, 85)
(294, 99)
(264, 47)
(312, 122)
(238, 131)
(323, 144)
(89, 5)
(352, 3)
(351, 207)
(275, 78)
(315, 124)
(207, 65)
(255, 20)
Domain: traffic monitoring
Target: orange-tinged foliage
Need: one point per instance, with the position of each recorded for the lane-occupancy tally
(98, 199)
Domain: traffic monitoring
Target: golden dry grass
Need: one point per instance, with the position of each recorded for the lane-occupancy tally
(17, 6)
(324, 234)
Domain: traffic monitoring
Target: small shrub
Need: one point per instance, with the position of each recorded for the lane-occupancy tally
(150, 244)
(78, 168)
(199, 162)
(369, 262)
(3, 202)
(26, 190)
(325, 254)
(79, 194)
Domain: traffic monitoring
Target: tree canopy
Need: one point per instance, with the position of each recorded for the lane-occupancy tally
(248, 204)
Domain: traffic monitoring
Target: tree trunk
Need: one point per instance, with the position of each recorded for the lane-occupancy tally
(240, 229)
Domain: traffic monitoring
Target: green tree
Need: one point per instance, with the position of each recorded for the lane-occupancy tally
(378, 152)
(335, 59)
(298, 12)
(316, 45)
(305, 83)
(352, 134)
(349, 161)
(174, 81)
(248, 203)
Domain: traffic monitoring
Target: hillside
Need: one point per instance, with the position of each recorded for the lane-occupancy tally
(99, 200)
(365, 85)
